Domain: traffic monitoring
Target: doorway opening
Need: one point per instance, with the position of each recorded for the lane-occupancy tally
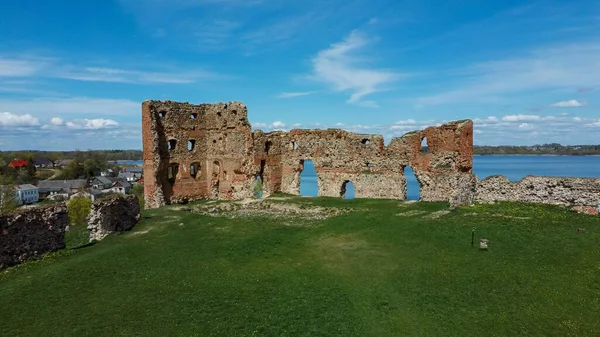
(216, 170)
(347, 191)
(413, 188)
(257, 188)
(424, 145)
(308, 179)
(259, 181)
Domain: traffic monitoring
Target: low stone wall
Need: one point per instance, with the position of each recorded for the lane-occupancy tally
(547, 190)
(32, 232)
(114, 214)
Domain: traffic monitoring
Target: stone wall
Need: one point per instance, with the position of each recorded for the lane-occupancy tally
(225, 157)
(113, 214)
(547, 190)
(32, 232)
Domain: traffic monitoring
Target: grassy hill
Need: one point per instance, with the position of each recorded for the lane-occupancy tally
(316, 267)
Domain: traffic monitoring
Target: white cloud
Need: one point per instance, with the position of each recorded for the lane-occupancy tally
(521, 118)
(558, 67)
(525, 126)
(278, 124)
(338, 66)
(275, 126)
(295, 94)
(406, 122)
(95, 74)
(19, 68)
(53, 68)
(568, 104)
(56, 121)
(95, 124)
(490, 119)
(79, 106)
(8, 119)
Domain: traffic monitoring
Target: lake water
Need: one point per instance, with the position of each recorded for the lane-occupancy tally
(513, 167)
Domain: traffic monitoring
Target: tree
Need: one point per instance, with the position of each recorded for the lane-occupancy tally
(78, 209)
(73, 171)
(8, 199)
(139, 191)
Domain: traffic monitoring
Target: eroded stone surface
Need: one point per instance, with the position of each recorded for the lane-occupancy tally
(547, 190)
(32, 232)
(114, 214)
(225, 157)
(586, 209)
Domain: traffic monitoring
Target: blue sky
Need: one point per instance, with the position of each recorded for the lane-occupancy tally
(73, 73)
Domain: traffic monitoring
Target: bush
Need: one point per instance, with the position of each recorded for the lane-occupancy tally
(79, 209)
(139, 191)
(8, 199)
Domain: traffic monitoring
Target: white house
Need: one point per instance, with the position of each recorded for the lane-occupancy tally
(27, 194)
(92, 194)
(107, 173)
(122, 187)
(131, 177)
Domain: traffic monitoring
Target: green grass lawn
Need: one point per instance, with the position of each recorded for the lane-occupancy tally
(385, 268)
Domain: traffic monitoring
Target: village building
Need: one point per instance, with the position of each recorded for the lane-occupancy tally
(64, 188)
(26, 194)
(19, 164)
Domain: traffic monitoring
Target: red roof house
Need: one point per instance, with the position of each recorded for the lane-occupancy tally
(19, 164)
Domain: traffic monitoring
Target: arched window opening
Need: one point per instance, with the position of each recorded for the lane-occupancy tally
(424, 145)
(172, 144)
(268, 145)
(193, 115)
(191, 144)
(172, 171)
(365, 141)
(194, 169)
(308, 179)
(216, 169)
(413, 188)
(347, 190)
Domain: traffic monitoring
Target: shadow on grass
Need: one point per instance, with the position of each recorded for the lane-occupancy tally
(85, 245)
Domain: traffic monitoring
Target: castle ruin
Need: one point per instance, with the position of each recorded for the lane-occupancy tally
(209, 151)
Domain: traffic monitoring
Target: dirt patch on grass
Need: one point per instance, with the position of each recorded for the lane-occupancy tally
(344, 242)
(171, 218)
(411, 213)
(265, 207)
(352, 256)
(140, 232)
(437, 215)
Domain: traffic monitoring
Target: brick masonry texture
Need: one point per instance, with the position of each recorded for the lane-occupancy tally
(208, 151)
